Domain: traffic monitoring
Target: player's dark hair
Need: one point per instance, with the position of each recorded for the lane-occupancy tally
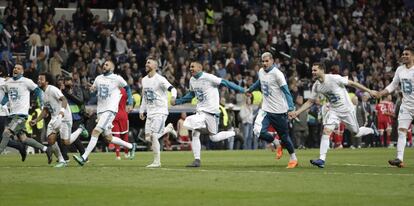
(320, 65)
(48, 77)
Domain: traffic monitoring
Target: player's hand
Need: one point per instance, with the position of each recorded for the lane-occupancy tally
(172, 102)
(374, 94)
(292, 115)
(141, 116)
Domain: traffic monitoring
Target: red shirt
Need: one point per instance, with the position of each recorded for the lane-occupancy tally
(122, 114)
(384, 110)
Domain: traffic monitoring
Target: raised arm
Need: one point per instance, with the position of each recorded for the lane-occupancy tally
(232, 85)
(254, 86)
(186, 98)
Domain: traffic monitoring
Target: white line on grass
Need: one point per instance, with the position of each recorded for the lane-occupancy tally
(290, 172)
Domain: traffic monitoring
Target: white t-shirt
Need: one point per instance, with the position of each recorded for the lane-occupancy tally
(333, 88)
(206, 91)
(51, 101)
(404, 77)
(19, 95)
(2, 93)
(108, 92)
(155, 95)
(274, 100)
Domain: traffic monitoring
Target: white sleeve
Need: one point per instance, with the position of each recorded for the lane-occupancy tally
(342, 81)
(314, 93)
(30, 84)
(395, 82)
(122, 82)
(214, 79)
(165, 83)
(280, 78)
(143, 106)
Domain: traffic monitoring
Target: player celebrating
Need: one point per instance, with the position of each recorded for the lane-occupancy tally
(61, 117)
(107, 86)
(404, 76)
(18, 94)
(332, 86)
(155, 103)
(277, 101)
(204, 87)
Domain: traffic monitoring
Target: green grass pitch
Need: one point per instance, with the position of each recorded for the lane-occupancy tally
(351, 177)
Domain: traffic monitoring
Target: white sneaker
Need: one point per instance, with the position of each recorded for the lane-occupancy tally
(154, 165)
(170, 129)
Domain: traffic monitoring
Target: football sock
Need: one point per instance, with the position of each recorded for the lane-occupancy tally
(121, 142)
(402, 140)
(196, 144)
(75, 135)
(324, 147)
(222, 136)
(79, 146)
(55, 148)
(156, 149)
(32, 142)
(90, 147)
(63, 149)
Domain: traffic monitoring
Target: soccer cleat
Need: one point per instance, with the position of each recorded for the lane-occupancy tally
(132, 151)
(195, 163)
(319, 163)
(154, 165)
(49, 155)
(292, 164)
(279, 152)
(23, 152)
(79, 160)
(60, 165)
(396, 162)
(84, 132)
(171, 130)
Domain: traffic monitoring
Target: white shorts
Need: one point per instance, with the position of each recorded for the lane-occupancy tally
(202, 120)
(257, 127)
(348, 118)
(155, 124)
(64, 128)
(405, 117)
(105, 120)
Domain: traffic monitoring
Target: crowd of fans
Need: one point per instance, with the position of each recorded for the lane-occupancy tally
(359, 39)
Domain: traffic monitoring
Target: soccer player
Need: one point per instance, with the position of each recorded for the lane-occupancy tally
(384, 119)
(332, 86)
(405, 77)
(4, 111)
(121, 124)
(155, 103)
(204, 87)
(61, 117)
(277, 101)
(18, 90)
(107, 86)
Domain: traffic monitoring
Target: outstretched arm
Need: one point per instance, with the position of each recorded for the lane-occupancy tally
(129, 93)
(304, 107)
(186, 98)
(288, 97)
(232, 85)
(362, 87)
(254, 86)
(39, 94)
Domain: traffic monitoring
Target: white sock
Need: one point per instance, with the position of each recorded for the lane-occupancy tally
(402, 140)
(75, 135)
(120, 142)
(293, 156)
(222, 136)
(196, 144)
(89, 148)
(56, 148)
(156, 149)
(166, 130)
(276, 142)
(324, 147)
(44, 148)
(364, 131)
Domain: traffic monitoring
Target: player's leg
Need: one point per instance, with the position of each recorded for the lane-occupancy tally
(116, 132)
(260, 129)
(404, 122)
(212, 122)
(195, 123)
(19, 128)
(280, 123)
(156, 131)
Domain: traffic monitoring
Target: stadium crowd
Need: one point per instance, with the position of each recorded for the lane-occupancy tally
(359, 39)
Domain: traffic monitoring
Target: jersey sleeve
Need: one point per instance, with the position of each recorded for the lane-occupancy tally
(215, 80)
(340, 80)
(121, 82)
(57, 93)
(31, 85)
(280, 78)
(165, 83)
(314, 93)
(395, 81)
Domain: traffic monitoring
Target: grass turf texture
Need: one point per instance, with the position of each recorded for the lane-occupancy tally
(351, 177)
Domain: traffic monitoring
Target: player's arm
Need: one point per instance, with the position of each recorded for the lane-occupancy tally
(303, 108)
(232, 85)
(143, 106)
(173, 94)
(288, 96)
(186, 98)
(130, 101)
(39, 95)
(391, 87)
(254, 86)
(39, 117)
(361, 87)
(64, 104)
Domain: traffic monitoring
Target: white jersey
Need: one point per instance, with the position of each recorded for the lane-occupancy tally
(274, 100)
(2, 93)
(405, 77)
(51, 101)
(155, 95)
(19, 95)
(333, 88)
(206, 91)
(108, 93)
